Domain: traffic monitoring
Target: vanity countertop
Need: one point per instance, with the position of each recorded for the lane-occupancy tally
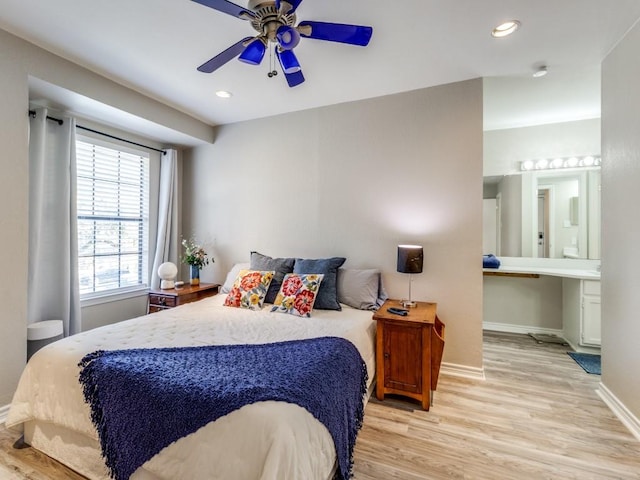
(542, 270)
(556, 267)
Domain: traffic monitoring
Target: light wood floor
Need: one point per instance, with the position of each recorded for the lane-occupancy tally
(536, 416)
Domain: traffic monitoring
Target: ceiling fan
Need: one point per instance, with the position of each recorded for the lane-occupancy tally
(275, 22)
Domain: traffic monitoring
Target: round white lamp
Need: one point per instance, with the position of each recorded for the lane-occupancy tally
(167, 272)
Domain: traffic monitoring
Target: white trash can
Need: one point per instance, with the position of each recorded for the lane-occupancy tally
(43, 333)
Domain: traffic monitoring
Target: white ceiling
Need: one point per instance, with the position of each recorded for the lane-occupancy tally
(154, 47)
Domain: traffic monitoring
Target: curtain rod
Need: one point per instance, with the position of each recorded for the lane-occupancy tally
(59, 121)
(32, 113)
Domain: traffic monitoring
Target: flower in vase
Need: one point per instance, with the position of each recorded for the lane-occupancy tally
(194, 254)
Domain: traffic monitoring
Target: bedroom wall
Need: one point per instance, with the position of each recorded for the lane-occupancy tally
(18, 61)
(14, 240)
(53, 69)
(620, 224)
(356, 180)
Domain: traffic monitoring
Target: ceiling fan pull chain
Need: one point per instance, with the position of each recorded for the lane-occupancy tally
(272, 68)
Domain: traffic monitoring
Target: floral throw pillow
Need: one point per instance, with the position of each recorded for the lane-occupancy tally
(298, 294)
(249, 289)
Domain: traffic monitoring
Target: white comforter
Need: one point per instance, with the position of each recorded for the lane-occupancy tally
(266, 440)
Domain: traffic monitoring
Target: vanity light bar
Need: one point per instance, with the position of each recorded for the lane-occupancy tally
(556, 163)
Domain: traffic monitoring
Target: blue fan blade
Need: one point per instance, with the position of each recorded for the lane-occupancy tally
(227, 7)
(294, 79)
(294, 4)
(219, 60)
(337, 32)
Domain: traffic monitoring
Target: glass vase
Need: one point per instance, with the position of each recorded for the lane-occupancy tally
(194, 275)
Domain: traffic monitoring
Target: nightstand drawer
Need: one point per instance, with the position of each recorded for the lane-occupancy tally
(174, 297)
(162, 300)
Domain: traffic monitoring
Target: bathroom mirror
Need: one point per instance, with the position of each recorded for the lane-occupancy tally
(542, 212)
(546, 214)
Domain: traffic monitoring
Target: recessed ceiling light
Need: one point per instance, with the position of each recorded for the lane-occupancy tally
(224, 94)
(540, 71)
(506, 28)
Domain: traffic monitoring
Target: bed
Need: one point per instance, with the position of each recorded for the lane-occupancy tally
(263, 440)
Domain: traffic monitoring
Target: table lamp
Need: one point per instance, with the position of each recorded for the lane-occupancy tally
(410, 259)
(167, 272)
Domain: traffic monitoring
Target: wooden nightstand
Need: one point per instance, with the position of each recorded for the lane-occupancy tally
(408, 351)
(164, 299)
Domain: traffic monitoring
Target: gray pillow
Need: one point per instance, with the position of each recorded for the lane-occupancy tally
(361, 289)
(232, 275)
(382, 293)
(281, 266)
(327, 298)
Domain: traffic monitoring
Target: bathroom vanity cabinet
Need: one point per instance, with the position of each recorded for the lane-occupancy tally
(545, 296)
(581, 313)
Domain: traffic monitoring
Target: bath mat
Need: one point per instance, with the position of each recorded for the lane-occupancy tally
(590, 363)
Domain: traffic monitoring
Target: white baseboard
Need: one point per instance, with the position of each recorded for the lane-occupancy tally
(465, 371)
(510, 328)
(521, 329)
(580, 349)
(627, 418)
(4, 411)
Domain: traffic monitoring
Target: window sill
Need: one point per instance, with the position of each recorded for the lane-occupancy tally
(92, 299)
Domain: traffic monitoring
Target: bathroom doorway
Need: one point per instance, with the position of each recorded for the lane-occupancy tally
(544, 224)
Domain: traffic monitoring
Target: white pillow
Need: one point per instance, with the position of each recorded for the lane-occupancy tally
(232, 275)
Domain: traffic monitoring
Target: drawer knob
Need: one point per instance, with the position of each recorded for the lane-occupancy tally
(386, 355)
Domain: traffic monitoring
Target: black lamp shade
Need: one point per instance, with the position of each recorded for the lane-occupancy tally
(410, 259)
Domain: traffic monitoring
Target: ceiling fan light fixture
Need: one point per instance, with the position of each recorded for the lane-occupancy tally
(506, 28)
(253, 53)
(288, 61)
(288, 37)
(224, 94)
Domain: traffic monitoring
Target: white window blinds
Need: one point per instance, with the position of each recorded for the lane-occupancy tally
(113, 217)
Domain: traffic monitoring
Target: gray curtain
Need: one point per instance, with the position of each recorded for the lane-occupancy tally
(167, 239)
(53, 288)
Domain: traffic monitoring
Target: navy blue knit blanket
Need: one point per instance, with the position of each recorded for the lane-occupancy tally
(142, 400)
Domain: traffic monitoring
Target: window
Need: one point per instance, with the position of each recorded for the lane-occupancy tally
(113, 217)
